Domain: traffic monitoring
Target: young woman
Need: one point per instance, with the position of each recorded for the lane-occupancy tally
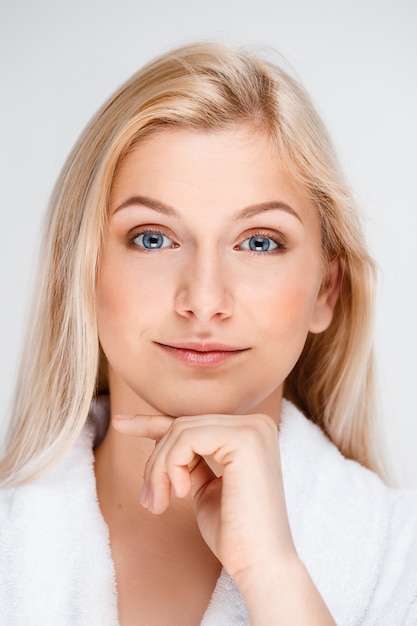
(205, 297)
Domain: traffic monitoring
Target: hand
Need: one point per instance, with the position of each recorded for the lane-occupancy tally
(242, 514)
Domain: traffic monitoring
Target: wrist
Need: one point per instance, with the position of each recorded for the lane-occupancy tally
(258, 579)
(282, 592)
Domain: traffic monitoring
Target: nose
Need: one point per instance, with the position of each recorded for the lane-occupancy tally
(203, 292)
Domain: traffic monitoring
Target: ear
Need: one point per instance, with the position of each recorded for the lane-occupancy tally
(326, 300)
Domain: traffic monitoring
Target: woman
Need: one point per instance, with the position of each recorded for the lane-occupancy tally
(204, 269)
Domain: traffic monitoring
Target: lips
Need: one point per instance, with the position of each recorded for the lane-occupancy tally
(202, 354)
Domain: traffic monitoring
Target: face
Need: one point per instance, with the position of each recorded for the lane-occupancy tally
(211, 276)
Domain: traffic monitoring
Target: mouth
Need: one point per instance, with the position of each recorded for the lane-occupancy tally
(202, 354)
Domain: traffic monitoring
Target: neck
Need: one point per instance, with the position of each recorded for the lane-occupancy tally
(120, 463)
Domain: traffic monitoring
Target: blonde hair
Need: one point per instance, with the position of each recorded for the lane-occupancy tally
(206, 87)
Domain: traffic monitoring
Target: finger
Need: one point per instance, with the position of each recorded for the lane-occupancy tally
(174, 462)
(147, 426)
(189, 478)
(182, 479)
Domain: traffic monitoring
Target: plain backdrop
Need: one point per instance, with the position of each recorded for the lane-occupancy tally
(60, 60)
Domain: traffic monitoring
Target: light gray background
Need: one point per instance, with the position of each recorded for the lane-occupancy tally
(60, 60)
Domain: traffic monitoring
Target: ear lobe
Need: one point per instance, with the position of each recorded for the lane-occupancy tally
(326, 300)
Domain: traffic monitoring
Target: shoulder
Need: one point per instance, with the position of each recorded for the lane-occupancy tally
(57, 483)
(307, 450)
(317, 453)
(352, 531)
(53, 537)
(36, 514)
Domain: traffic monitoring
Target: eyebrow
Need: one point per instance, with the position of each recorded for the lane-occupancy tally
(250, 211)
(256, 209)
(160, 207)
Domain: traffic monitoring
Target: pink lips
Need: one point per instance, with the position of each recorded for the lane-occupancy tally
(202, 354)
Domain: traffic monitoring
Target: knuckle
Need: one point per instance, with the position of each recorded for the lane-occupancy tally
(260, 428)
(179, 427)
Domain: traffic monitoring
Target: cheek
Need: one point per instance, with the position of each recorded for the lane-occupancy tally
(300, 302)
(283, 329)
(128, 295)
(282, 304)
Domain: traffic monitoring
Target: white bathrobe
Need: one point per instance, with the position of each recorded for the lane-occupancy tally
(357, 538)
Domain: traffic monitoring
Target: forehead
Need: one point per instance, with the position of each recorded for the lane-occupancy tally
(231, 169)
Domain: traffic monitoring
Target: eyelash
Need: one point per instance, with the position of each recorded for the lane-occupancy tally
(149, 231)
(256, 234)
(264, 235)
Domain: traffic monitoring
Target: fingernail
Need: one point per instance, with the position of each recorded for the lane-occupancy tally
(143, 498)
(150, 499)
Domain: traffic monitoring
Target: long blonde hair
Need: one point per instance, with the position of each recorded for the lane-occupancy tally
(206, 87)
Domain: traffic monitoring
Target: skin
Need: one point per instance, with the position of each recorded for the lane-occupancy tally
(200, 332)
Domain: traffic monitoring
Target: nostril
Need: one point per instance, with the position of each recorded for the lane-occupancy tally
(204, 302)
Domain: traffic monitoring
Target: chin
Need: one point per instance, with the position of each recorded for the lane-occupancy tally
(206, 404)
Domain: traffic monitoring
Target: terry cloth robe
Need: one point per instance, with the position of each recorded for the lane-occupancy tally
(357, 538)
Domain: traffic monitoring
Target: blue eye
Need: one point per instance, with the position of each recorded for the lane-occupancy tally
(152, 241)
(258, 243)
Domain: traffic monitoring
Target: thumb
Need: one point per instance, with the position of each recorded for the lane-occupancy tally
(147, 426)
